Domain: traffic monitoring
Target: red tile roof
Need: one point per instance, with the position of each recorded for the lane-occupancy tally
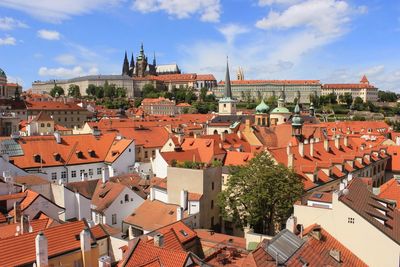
(52, 105)
(105, 194)
(391, 191)
(182, 231)
(301, 82)
(61, 239)
(235, 158)
(10, 230)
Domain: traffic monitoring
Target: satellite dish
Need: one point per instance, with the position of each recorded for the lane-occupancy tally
(345, 192)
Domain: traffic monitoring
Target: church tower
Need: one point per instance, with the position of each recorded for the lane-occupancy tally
(125, 66)
(141, 63)
(132, 66)
(297, 122)
(227, 105)
(240, 74)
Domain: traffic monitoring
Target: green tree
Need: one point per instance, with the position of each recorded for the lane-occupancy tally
(120, 92)
(109, 90)
(74, 91)
(348, 99)
(57, 90)
(260, 194)
(387, 96)
(91, 90)
(358, 103)
(99, 92)
(203, 94)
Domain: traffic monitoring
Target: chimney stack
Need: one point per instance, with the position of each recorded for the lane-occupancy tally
(130, 232)
(222, 134)
(105, 176)
(159, 240)
(312, 147)
(179, 213)
(184, 199)
(326, 145)
(86, 247)
(346, 141)
(152, 194)
(41, 250)
(301, 149)
(337, 142)
(57, 136)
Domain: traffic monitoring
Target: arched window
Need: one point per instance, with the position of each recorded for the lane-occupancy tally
(42, 125)
(48, 124)
(126, 198)
(215, 132)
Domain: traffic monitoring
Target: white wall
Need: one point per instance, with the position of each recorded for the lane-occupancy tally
(116, 244)
(124, 161)
(194, 207)
(42, 204)
(159, 165)
(122, 210)
(160, 194)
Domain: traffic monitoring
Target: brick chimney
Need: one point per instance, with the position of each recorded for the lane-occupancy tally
(159, 240)
(346, 141)
(312, 147)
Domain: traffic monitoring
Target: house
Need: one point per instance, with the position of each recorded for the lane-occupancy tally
(112, 202)
(353, 212)
(391, 191)
(69, 244)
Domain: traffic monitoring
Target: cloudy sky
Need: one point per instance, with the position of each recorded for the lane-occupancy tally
(329, 40)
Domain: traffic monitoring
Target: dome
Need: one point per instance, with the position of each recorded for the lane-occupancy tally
(297, 120)
(3, 76)
(262, 107)
(280, 110)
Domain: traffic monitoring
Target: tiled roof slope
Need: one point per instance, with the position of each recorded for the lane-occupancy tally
(61, 239)
(370, 207)
(391, 191)
(105, 194)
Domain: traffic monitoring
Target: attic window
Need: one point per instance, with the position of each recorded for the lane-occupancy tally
(37, 158)
(183, 233)
(171, 212)
(114, 153)
(79, 154)
(57, 156)
(92, 153)
(104, 193)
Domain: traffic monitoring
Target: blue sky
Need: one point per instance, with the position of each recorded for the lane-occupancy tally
(329, 40)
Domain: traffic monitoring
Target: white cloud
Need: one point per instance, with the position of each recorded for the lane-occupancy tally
(67, 72)
(66, 59)
(8, 23)
(8, 40)
(209, 10)
(230, 31)
(49, 35)
(272, 2)
(373, 71)
(59, 10)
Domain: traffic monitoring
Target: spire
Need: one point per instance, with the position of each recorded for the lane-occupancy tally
(227, 90)
(141, 50)
(125, 66)
(297, 122)
(154, 59)
(281, 99)
(132, 62)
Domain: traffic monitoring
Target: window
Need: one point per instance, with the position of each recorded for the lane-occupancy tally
(65, 119)
(212, 204)
(114, 219)
(63, 175)
(90, 171)
(81, 172)
(126, 198)
(350, 220)
(153, 153)
(53, 176)
(146, 154)
(42, 125)
(73, 174)
(98, 171)
(212, 186)
(48, 125)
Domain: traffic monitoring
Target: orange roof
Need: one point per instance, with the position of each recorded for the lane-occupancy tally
(117, 148)
(194, 196)
(61, 239)
(105, 194)
(364, 79)
(207, 148)
(46, 147)
(12, 196)
(10, 230)
(391, 191)
(213, 239)
(205, 77)
(182, 155)
(235, 158)
(182, 231)
(171, 240)
(160, 100)
(143, 253)
(152, 215)
(52, 105)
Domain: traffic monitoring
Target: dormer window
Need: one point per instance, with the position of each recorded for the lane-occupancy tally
(92, 153)
(37, 158)
(57, 156)
(79, 154)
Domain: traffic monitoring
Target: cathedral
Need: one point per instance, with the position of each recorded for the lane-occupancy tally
(141, 67)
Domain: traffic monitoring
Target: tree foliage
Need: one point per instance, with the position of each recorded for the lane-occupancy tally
(57, 90)
(387, 96)
(260, 194)
(74, 91)
(346, 98)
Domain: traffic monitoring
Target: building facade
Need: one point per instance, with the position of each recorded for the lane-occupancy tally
(364, 89)
(263, 89)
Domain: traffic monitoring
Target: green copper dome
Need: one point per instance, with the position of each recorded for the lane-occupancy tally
(262, 107)
(280, 110)
(297, 120)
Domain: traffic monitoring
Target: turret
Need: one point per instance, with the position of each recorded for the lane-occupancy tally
(125, 66)
(297, 122)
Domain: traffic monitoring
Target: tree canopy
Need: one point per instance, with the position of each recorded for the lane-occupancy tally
(57, 90)
(387, 96)
(260, 194)
(74, 91)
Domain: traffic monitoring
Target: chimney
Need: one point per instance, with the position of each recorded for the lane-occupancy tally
(341, 186)
(78, 206)
(290, 161)
(104, 261)
(41, 250)
(346, 141)
(152, 194)
(291, 224)
(222, 134)
(158, 240)
(17, 212)
(105, 176)
(239, 134)
(326, 145)
(312, 147)
(179, 213)
(57, 136)
(130, 232)
(184, 199)
(337, 142)
(86, 247)
(316, 233)
(301, 149)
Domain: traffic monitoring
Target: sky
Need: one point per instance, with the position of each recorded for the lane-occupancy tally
(334, 41)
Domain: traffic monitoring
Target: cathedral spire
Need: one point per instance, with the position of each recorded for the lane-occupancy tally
(125, 66)
(228, 90)
(154, 59)
(132, 62)
(141, 50)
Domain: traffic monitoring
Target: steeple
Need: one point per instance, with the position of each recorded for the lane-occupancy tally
(132, 65)
(141, 50)
(227, 90)
(125, 66)
(154, 59)
(297, 122)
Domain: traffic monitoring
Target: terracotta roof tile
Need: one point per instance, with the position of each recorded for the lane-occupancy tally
(391, 191)
(105, 194)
